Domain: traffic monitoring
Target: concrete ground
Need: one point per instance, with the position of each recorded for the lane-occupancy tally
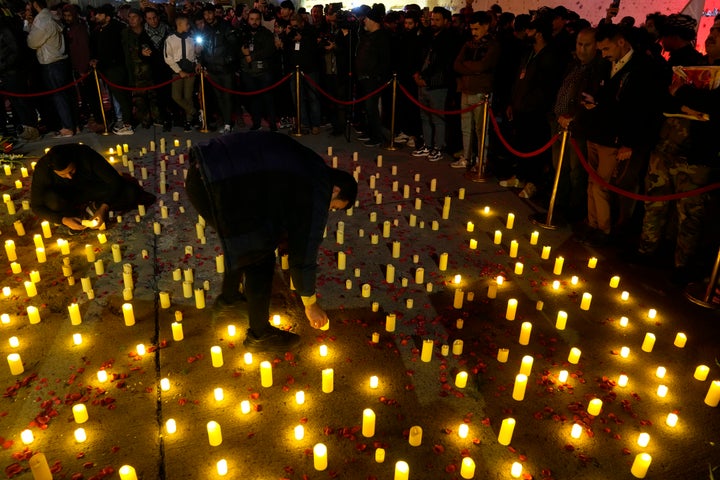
(128, 412)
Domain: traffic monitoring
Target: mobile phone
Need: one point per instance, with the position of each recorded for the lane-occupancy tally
(615, 4)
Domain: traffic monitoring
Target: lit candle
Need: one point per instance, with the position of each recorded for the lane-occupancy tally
(519, 387)
(373, 382)
(502, 355)
(389, 274)
(712, 398)
(671, 419)
(585, 302)
(10, 250)
(557, 269)
(574, 280)
(506, 431)
(80, 413)
(128, 314)
(443, 263)
(595, 406)
(127, 473)
(652, 313)
(518, 268)
(415, 437)
(15, 363)
(419, 275)
(574, 356)
(576, 431)
(222, 467)
(701, 372)
(526, 365)
(245, 407)
(341, 261)
(622, 381)
(563, 376)
(525, 331)
(614, 282)
(171, 426)
(77, 338)
(219, 394)
(640, 465)
(80, 435)
(511, 309)
(467, 468)
(328, 384)
(463, 430)
(545, 252)
(510, 221)
(216, 356)
(320, 459)
(299, 431)
(624, 352)
(662, 391)
(473, 244)
(513, 249)
(458, 299)
(30, 289)
(680, 340)
(368, 423)
(102, 376)
(266, 379)
(427, 350)
(40, 253)
(300, 397)
(497, 239)
(402, 471)
(140, 349)
(561, 321)
(592, 262)
(625, 296)
(648, 342)
(380, 455)
(26, 436)
(624, 321)
(74, 310)
(214, 433)
(461, 379)
(33, 315)
(643, 439)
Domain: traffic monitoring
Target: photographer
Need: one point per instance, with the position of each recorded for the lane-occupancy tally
(258, 49)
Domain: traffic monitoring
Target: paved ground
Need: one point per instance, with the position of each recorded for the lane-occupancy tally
(128, 413)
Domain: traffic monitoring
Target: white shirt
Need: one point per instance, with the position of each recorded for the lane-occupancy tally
(617, 66)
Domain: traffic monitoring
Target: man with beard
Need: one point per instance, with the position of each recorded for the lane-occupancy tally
(256, 68)
(475, 64)
(107, 56)
(158, 31)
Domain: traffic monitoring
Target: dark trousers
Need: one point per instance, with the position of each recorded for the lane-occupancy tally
(531, 132)
(262, 104)
(56, 75)
(223, 99)
(26, 114)
(72, 202)
(245, 255)
(372, 109)
(118, 76)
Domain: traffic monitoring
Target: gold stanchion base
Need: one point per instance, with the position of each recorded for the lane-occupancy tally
(540, 219)
(297, 134)
(391, 148)
(105, 133)
(695, 292)
(470, 175)
(204, 130)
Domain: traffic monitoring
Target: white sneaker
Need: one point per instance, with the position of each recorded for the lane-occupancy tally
(410, 142)
(421, 152)
(123, 129)
(512, 182)
(435, 155)
(529, 191)
(226, 129)
(459, 163)
(402, 138)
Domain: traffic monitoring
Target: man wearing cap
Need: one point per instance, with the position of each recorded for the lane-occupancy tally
(278, 189)
(372, 67)
(106, 50)
(677, 36)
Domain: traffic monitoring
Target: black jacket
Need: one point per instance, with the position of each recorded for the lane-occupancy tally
(106, 46)
(537, 81)
(220, 47)
(373, 56)
(437, 69)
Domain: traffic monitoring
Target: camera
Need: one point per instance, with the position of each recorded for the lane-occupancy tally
(346, 20)
(199, 39)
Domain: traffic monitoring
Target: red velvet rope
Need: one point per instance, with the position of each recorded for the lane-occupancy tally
(511, 149)
(635, 196)
(437, 112)
(256, 92)
(49, 92)
(345, 102)
(138, 89)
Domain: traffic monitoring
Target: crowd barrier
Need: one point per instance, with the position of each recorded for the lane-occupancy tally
(204, 76)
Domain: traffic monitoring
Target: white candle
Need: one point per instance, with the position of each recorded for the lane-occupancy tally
(402, 471)
(40, 253)
(266, 378)
(513, 249)
(502, 355)
(595, 406)
(585, 302)
(390, 322)
(74, 310)
(128, 314)
(15, 363)
(320, 457)
(443, 263)
(526, 365)
(506, 431)
(561, 321)
(328, 384)
(511, 309)
(614, 282)
(671, 420)
(127, 473)
(563, 376)
(557, 269)
(80, 413)
(214, 433)
(680, 340)
(625, 296)
(461, 379)
(510, 221)
(622, 381)
(643, 439)
(427, 351)
(497, 238)
(648, 342)
(574, 356)
(701, 372)
(712, 398)
(374, 382)
(525, 331)
(592, 262)
(518, 268)
(640, 465)
(368, 423)
(534, 236)
(415, 437)
(519, 387)
(216, 356)
(467, 468)
(576, 431)
(545, 252)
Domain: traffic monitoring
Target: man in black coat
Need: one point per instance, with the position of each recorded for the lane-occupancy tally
(257, 189)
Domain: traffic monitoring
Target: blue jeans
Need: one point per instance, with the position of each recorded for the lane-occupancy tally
(56, 75)
(433, 125)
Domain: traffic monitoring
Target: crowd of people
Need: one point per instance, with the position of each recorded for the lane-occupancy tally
(606, 81)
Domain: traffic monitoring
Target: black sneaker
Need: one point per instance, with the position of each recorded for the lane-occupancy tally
(275, 340)
(223, 304)
(188, 127)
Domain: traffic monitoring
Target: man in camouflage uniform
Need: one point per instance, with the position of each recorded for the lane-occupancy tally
(684, 159)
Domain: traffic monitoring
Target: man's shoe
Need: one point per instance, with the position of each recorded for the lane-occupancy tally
(460, 163)
(401, 138)
(275, 340)
(435, 155)
(123, 129)
(529, 191)
(226, 129)
(29, 134)
(512, 182)
(363, 137)
(188, 127)
(315, 130)
(64, 133)
(410, 142)
(421, 152)
(225, 305)
(372, 143)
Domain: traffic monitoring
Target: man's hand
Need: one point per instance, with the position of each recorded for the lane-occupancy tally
(73, 223)
(624, 153)
(316, 316)
(564, 121)
(146, 52)
(100, 214)
(93, 63)
(245, 51)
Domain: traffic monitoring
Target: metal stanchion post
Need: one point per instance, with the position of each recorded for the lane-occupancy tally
(479, 175)
(204, 128)
(537, 218)
(297, 132)
(392, 115)
(701, 295)
(102, 108)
